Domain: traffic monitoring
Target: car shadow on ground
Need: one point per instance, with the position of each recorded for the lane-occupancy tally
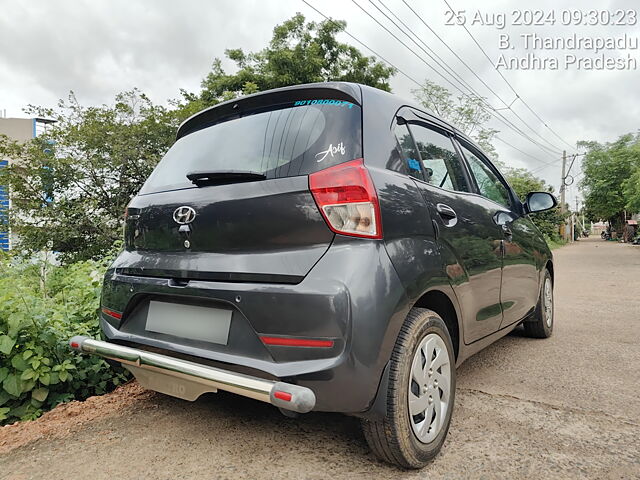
(517, 332)
(330, 434)
(335, 437)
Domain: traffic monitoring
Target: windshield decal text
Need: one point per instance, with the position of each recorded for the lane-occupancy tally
(331, 150)
(337, 103)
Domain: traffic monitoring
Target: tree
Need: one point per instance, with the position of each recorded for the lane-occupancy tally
(523, 182)
(632, 190)
(466, 113)
(610, 178)
(69, 188)
(632, 185)
(299, 52)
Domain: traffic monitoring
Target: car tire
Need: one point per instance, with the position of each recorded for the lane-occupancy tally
(541, 325)
(400, 438)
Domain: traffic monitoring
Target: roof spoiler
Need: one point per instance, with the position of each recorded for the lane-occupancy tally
(235, 108)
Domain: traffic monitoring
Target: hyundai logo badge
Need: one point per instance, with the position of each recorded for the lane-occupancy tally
(183, 215)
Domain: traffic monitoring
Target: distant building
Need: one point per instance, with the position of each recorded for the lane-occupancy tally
(22, 130)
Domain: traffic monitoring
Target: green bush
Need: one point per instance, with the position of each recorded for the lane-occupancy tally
(41, 307)
(523, 182)
(554, 242)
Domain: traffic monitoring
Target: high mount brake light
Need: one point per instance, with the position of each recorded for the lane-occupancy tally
(347, 199)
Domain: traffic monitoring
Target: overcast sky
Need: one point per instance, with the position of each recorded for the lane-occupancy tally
(99, 48)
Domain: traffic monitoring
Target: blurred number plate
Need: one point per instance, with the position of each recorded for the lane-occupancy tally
(188, 321)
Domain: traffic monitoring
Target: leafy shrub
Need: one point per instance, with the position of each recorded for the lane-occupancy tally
(41, 307)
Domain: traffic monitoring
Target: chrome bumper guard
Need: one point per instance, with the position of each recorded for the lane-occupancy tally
(189, 380)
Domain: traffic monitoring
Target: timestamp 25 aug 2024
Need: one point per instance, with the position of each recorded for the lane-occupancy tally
(588, 39)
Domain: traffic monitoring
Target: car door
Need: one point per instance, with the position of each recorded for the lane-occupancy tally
(468, 239)
(519, 285)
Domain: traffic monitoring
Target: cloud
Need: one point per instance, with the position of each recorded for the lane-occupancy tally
(100, 48)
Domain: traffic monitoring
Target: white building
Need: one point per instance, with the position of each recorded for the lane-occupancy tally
(22, 130)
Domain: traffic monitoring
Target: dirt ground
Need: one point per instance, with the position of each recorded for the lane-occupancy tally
(566, 407)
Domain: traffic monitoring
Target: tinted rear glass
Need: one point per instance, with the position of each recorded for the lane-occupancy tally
(288, 140)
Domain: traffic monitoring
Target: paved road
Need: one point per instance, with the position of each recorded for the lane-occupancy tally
(566, 407)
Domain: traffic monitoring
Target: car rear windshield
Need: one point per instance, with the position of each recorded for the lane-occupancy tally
(284, 141)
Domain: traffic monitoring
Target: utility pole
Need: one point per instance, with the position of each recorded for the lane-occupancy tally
(575, 221)
(564, 167)
(563, 232)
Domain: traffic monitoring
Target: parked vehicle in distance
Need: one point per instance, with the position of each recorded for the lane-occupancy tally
(325, 247)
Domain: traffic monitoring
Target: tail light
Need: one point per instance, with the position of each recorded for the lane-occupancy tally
(347, 199)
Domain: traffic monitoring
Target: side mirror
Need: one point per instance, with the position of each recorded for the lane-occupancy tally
(539, 202)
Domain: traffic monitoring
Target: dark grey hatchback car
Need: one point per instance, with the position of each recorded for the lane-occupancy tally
(325, 247)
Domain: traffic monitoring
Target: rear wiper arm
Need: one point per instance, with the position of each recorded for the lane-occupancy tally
(224, 176)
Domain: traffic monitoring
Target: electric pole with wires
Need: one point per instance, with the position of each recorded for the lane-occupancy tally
(563, 227)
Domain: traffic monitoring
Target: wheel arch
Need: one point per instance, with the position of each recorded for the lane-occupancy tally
(441, 303)
(444, 304)
(549, 266)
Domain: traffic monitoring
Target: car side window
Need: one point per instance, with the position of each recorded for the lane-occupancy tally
(409, 152)
(440, 161)
(489, 185)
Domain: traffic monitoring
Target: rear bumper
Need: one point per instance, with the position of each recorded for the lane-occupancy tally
(352, 297)
(189, 380)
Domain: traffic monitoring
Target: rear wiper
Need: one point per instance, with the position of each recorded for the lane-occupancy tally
(224, 176)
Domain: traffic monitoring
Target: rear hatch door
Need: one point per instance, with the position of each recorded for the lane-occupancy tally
(230, 200)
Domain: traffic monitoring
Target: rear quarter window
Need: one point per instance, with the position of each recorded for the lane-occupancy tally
(298, 138)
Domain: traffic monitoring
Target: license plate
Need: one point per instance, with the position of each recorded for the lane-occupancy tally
(189, 321)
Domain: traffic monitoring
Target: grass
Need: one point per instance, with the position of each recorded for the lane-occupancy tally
(553, 244)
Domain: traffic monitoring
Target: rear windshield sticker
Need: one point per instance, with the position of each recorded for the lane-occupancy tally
(331, 150)
(337, 103)
(413, 164)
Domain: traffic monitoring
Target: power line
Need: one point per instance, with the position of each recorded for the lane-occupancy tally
(567, 173)
(543, 167)
(507, 106)
(546, 164)
(571, 165)
(405, 74)
(431, 55)
(448, 47)
(363, 44)
(492, 111)
(406, 46)
(508, 83)
(575, 155)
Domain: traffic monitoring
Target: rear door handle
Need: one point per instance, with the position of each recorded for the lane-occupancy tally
(448, 214)
(446, 211)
